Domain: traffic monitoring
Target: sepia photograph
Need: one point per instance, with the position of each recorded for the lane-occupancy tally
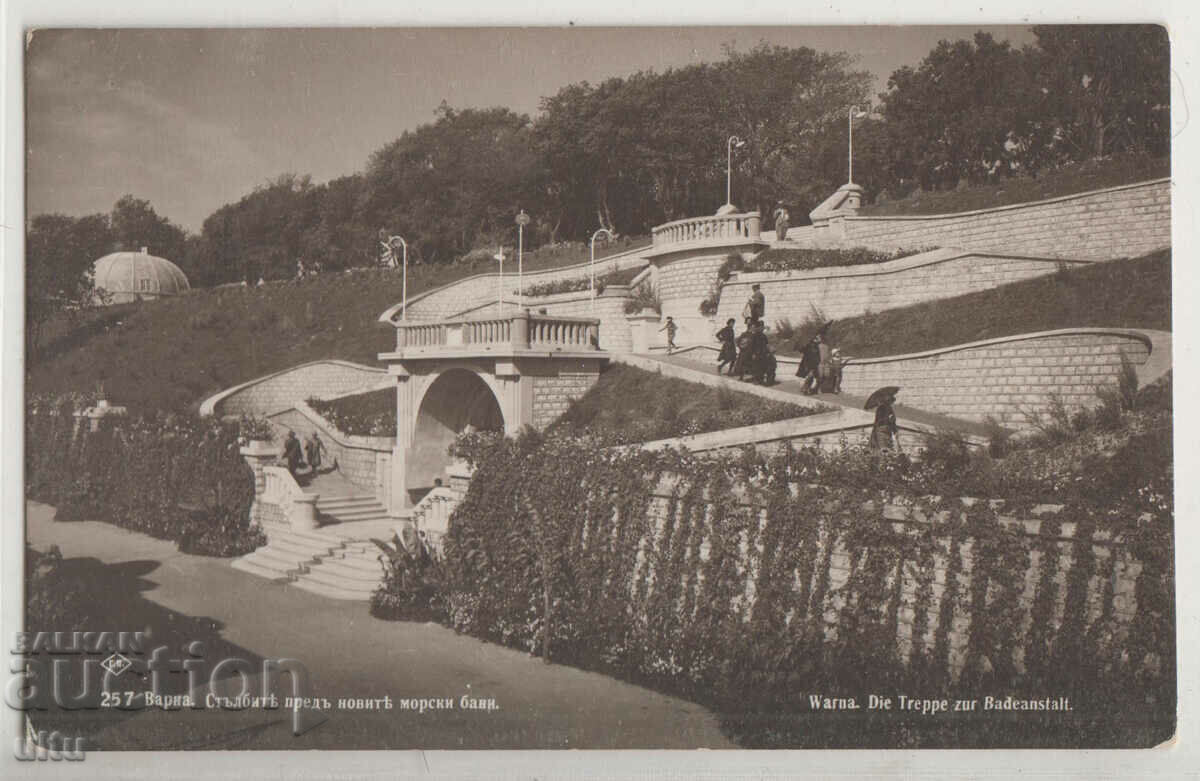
(581, 387)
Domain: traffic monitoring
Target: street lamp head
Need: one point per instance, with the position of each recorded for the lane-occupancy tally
(736, 142)
(522, 218)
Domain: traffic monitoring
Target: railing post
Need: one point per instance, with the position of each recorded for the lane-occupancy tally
(304, 512)
(519, 332)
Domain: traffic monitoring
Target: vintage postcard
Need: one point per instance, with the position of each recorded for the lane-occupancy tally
(545, 388)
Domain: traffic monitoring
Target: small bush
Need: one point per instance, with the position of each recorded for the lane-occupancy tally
(411, 589)
(644, 297)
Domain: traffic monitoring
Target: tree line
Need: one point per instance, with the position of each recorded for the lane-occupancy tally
(632, 152)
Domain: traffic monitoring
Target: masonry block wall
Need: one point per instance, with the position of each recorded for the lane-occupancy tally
(468, 293)
(1005, 379)
(320, 379)
(848, 291)
(553, 394)
(356, 457)
(1106, 224)
(682, 284)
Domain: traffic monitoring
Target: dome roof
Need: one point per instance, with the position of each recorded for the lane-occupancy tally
(130, 275)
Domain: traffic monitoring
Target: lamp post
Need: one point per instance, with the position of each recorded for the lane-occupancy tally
(522, 221)
(592, 265)
(729, 145)
(392, 243)
(500, 292)
(850, 117)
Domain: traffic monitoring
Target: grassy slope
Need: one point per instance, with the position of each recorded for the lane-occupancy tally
(1132, 293)
(172, 353)
(633, 405)
(1074, 178)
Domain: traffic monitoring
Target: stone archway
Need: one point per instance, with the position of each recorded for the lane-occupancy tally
(455, 399)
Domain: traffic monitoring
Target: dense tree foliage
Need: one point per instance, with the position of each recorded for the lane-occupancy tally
(633, 152)
(59, 252)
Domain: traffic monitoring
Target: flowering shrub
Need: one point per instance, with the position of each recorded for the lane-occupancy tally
(581, 283)
(252, 427)
(177, 477)
(807, 259)
(371, 414)
(411, 589)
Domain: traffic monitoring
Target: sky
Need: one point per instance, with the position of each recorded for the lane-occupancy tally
(191, 119)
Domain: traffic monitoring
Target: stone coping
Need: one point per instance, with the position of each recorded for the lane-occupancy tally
(726, 241)
(933, 257)
(529, 302)
(208, 406)
(1008, 207)
(391, 311)
(352, 441)
(497, 350)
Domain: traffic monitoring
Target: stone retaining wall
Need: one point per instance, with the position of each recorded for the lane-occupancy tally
(357, 458)
(275, 392)
(1115, 222)
(847, 291)
(553, 394)
(1011, 378)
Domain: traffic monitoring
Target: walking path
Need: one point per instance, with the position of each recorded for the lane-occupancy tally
(703, 359)
(349, 654)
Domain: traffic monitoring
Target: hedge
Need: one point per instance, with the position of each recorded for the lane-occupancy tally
(172, 476)
(740, 584)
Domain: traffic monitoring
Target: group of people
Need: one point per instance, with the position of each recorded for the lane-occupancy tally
(747, 353)
(820, 367)
(295, 454)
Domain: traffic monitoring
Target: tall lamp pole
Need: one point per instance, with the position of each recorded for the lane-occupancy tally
(729, 145)
(592, 265)
(500, 292)
(522, 221)
(850, 117)
(392, 243)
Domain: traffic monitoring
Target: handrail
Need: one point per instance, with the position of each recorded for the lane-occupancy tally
(523, 331)
(279, 487)
(703, 229)
(431, 516)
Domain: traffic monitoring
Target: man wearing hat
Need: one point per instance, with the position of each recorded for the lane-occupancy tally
(781, 221)
(757, 305)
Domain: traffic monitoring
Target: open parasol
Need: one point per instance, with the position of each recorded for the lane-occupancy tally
(881, 395)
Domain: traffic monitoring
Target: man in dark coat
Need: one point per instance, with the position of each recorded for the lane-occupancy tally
(292, 453)
(885, 434)
(728, 346)
(810, 365)
(758, 303)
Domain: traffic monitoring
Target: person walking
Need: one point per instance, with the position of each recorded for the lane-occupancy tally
(781, 221)
(885, 434)
(313, 448)
(836, 362)
(292, 454)
(670, 328)
(728, 346)
(810, 365)
(757, 303)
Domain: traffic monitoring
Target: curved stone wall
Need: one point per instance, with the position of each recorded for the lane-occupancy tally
(361, 460)
(1013, 378)
(473, 291)
(320, 379)
(848, 291)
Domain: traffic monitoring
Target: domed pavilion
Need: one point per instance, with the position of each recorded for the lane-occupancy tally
(130, 276)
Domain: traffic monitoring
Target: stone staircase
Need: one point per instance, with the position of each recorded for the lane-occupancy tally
(337, 559)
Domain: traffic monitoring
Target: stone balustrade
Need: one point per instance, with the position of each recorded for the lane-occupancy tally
(715, 229)
(517, 332)
(281, 490)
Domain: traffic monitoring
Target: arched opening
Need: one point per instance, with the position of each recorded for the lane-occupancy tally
(457, 398)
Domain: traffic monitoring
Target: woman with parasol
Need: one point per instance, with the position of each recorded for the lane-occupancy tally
(885, 435)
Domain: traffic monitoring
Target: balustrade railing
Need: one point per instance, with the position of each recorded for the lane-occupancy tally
(722, 227)
(281, 489)
(522, 331)
(431, 516)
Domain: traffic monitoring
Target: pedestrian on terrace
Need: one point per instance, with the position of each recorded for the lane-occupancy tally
(670, 329)
(292, 453)
(781, 221)
(728, 346)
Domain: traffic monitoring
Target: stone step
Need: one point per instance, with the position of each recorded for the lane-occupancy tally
(302, 547)
(354, 568)
(347, 503)
(332, 592)
(339, 579)
(357, 513)
(252, 566)
(274, 558)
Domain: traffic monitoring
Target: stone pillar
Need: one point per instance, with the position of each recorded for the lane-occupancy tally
(258, 453)
(405, 419)
(643, 328)
(754, 225)
(520, 330)
(303, 515)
